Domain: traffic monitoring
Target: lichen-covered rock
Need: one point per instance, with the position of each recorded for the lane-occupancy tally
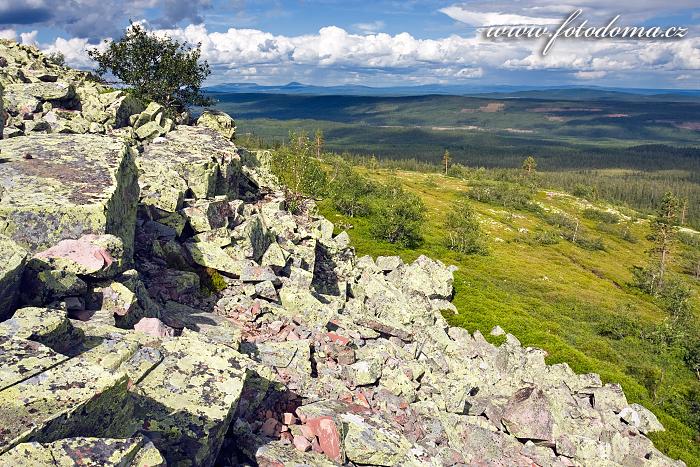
(12, 262)
(118, 299)
(154, 327)
(187, 401)
(45, 407)
(276, 454)
(43, 91)
(212, 256)
(88, 452)
(274, 256)
(47, 286)
(2, 109)
(204, 216)
(152, 113)
(46, 97)
(47, 326)
(218, 121)
(641, 418)
(21, 359)
(528, 415)
(149, 131)
(63, 187)
(369, 441)
(388, 263)
(252, 239)
(191, 161)
(427, 276)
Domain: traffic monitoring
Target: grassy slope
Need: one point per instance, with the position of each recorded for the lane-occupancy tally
(553, 297)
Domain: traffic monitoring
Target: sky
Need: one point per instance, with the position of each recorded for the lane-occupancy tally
(380, 42)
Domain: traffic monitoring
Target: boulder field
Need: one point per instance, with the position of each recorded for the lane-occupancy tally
(159, 305)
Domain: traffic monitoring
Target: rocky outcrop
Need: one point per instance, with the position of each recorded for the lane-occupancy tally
(170, 311)
(58, 187)
(43, 97)
(218, 121)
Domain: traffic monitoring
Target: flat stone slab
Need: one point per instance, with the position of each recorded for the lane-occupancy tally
(187, 401)
(69, 452)
(58, 187)
(190, 162)
(45, 407)
(21, 359)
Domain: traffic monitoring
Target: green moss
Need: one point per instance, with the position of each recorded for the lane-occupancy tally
(211, 281)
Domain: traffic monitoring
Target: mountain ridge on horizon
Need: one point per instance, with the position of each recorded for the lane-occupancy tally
(503, 91)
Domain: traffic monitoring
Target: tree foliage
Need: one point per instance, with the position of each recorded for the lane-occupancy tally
(298, 169)
(463, 229)
(155, 68)
(529, 165)
(397, 216)
(351, 193)
(57, 58)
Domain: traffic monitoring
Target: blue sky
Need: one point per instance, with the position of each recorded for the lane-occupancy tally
(380, 42)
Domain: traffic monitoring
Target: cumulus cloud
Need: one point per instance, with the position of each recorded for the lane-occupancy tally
(10, 34)
(335, 55)
(478, 19)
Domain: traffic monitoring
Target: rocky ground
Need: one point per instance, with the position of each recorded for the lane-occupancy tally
(161, 306)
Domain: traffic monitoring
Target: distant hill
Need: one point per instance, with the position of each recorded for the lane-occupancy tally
(495, 91)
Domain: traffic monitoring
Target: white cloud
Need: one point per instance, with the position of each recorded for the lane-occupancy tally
(470, 73)
(374, 26)
(10, 34)
(334, 55)
(29, 38)
(590, 74)
(474, 12)
(489, 18)
(74, 50)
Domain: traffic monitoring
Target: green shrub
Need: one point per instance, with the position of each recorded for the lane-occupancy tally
(351, 193)
(57, 58)
(585, 191)
(592, 244)
(627, 235)
(689, 239)
(621, 325)
(675, 296)
(464, 232)
(649, 376)
(397, 216)
(507, 195)
(692, 355)
(547, 237)
(297, 168)
(561, 220)
(601, 216)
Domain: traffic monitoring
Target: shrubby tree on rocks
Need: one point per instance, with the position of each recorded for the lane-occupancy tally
(158, 69)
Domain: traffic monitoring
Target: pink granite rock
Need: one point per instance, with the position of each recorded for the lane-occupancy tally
(301, 443)
(154, 327)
